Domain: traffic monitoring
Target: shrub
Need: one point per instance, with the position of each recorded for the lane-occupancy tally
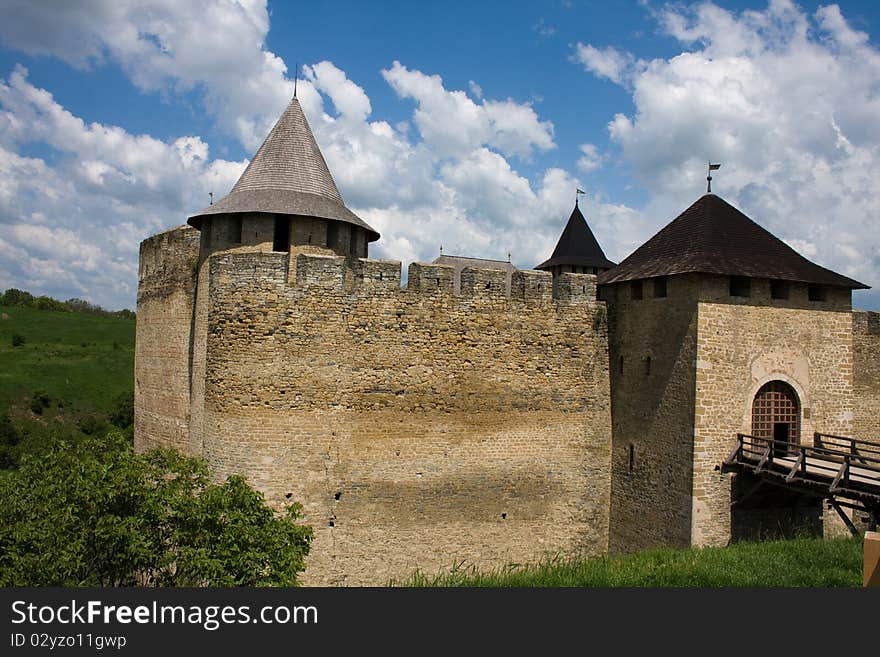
(39, 401)
(17, 339)
(91, 425)
(94, 513)
(122, 414)
(9, 440)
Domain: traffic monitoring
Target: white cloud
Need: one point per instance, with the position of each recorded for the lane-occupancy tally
(452, 124)
(214, 46)
(788, 103)
(73, 228)
(591, 158)
(607, 62)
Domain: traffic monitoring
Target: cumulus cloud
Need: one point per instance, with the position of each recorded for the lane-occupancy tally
(73, 227)
(168, 46)
(787, 101)
(607, 62)
(453, 125)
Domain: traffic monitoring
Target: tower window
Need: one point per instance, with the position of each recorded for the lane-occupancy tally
(620, 364)
(817, 292)
(779, 289)
(660, 287)
(632, 457)
(281, 238)
(235, 229)
(647, 366)
(332, 234)
(740, 286)
(636, 290)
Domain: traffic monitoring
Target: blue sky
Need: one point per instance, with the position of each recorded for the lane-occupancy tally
(463, 124)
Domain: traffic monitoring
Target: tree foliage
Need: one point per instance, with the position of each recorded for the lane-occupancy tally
(95, 513)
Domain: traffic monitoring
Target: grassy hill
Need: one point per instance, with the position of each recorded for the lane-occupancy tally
(67, 367)
(795, 563)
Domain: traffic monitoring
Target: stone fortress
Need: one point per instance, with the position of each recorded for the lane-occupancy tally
(483, 414)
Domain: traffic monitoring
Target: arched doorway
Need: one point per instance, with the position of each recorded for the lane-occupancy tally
(760, 511)
(776, 416)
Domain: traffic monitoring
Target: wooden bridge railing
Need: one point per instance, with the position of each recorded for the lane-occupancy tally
(827, 462)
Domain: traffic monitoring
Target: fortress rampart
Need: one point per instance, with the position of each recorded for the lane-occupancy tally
(417, 428)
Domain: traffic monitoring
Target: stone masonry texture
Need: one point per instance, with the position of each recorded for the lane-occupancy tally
(421, 429)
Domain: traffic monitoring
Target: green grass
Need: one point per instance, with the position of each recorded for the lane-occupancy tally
(794, 563)
(83, 361)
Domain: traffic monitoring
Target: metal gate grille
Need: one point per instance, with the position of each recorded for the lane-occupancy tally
(776, 402)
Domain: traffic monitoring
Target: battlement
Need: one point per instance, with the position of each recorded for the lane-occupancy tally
(365, 276)
(169, 257)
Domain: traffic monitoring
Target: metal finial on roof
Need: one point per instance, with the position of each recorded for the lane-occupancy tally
(295, 78)
(211, 194)
(508, 256)
(441, 249)
(576, 194)
(712, 167)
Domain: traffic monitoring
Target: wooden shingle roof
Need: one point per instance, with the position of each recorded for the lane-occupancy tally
(577, 246)
(288, 175)
(713, 237)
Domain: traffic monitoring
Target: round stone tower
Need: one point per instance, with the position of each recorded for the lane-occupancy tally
(286, 200)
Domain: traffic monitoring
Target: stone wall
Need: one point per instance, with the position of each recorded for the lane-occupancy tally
(419, 429)
(866, 375)
(162, 342)
(653, 412)
(745, 342)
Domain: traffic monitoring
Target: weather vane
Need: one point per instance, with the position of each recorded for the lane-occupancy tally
(295, 78)
(211, 194)
(712, 167)
(576, 194)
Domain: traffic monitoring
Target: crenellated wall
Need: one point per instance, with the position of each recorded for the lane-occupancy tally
(166, 289)
(418, 428)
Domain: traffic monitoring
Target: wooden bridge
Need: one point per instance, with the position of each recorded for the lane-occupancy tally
(844, 471)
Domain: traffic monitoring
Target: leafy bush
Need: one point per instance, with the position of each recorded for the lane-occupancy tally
(14, 297)
(91, 425)
(96, 514)
(9, 440)
(122, 414)
(39, 401)
(17, 339)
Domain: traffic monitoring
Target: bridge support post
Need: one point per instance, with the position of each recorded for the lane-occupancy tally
(872, 559)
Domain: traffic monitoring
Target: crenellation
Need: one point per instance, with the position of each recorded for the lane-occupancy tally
(531, 286)
(576, 288)
(371, 274)
(320, 271)
(431, 279)
(484, 283)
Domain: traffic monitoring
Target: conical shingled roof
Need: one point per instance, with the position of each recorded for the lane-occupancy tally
(288, 175)
(577, 246)
(713, 237)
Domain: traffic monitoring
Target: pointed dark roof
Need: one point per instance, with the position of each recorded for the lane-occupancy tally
(713, 237)
(577, 245)
(288, 175)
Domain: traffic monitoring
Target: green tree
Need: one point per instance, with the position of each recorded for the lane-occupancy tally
(95, 513)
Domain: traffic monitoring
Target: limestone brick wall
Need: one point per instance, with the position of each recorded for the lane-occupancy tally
(419, 429)
(653, 411)
(162, 344)
(866, 375)
(742, 344)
